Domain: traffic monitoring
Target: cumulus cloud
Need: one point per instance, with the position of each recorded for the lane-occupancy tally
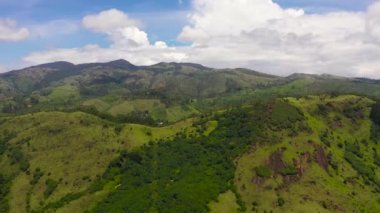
(121, 30)
(127, 42)
(257, 34)
(10, 32)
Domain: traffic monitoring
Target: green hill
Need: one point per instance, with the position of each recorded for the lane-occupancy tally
(115, 137)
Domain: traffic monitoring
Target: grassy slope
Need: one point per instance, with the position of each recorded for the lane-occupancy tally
(135, 105)
(156, 109)
(70, 148)
(226, 203)
(304, 194)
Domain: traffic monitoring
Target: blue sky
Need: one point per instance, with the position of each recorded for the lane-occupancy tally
(33, 12)
(162, 20)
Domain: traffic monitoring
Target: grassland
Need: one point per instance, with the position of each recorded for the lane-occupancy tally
(226, 203)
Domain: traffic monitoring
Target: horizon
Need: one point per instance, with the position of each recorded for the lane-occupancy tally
(278, 37)
(185, 63)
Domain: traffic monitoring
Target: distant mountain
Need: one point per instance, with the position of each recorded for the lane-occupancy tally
(169, 81)
(65, 85)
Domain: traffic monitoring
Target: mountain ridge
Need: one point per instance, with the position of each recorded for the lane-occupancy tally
(109, 86)
(122, 63)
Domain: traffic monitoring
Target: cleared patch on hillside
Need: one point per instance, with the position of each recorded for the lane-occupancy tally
(226, 203)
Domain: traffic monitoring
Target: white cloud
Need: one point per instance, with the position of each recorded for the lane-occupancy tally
(121, 30)
(127, 42)
(108, 20)
(373, 21)
(10, 32)
(212, 19)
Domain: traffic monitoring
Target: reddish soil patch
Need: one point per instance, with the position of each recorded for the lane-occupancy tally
(288, 179)
(275, 162)
(320, 156)
(302, 163)
(258, 180)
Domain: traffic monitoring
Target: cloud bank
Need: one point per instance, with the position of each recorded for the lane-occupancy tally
(10, 32)
(257, 34)
(260, 34)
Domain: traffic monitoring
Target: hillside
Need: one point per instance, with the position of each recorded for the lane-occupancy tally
(69, 149)
(165, 92)
(115, 137)
(334, 157)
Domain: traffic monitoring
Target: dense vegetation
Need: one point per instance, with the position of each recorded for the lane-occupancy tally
(375, 113)
(171, 176)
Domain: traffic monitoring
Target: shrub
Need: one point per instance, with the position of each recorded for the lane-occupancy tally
(289, 170)
(280, 201)
(263, 171)
(36, 176)
(51, 185)
(354, 148)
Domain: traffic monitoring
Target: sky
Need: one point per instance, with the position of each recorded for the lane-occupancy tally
(338, 37)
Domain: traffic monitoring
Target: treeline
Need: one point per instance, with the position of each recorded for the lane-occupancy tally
(375, 117)
(137, 117)
(375, 113)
